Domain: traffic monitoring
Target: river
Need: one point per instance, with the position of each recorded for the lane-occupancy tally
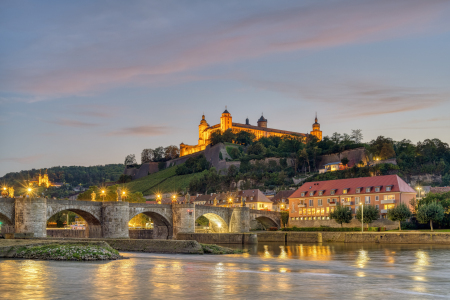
(267, 271)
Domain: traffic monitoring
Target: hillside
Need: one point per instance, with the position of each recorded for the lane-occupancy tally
(164, 181)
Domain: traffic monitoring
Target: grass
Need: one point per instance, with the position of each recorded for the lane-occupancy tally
(214, 249)
(419, 230)
(165, 181)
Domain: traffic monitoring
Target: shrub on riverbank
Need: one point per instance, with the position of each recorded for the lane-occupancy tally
(68, 252)
(214, 249)
(330, 229)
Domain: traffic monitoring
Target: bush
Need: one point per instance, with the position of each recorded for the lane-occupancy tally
(323, 229)
(408, 226)
(273, 229)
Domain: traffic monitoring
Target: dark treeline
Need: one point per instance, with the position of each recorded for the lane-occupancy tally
(73, 175)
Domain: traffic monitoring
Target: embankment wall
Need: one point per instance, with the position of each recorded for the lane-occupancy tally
(220, 238)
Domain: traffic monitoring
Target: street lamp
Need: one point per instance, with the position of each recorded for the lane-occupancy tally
(29, 190)
(124, 195)
(158, 198)
(174, 198)
(103, 195)
(230, 200)
(362, 218)
(420, 189)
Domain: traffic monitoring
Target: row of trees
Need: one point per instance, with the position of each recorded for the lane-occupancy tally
(431, 209)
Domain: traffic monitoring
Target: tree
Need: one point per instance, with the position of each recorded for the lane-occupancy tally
(432, 212)
(399, 213)
(216, 137)
(345, 161)
(229, 136)
(146, 156)
(336, 138)
(357, 135)
(171, 152)
(244, 138)
(158, 154)
(130, 160)
(371, 213)
(284, 218)
(387, 151)
(257, 149)
(341, 214)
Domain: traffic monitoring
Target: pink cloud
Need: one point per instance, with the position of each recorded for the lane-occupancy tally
(299, 28)
(141, 131)
(24, 160)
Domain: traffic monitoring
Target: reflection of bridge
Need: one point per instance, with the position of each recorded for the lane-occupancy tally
(31, 216)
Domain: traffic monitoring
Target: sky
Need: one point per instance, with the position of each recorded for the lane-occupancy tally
(89, 82)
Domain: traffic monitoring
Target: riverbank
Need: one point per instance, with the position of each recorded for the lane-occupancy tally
(357, 237)
(58, 250)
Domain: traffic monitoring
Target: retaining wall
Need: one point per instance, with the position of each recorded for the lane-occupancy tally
(141, 234)
(220, 238)
(390, 225)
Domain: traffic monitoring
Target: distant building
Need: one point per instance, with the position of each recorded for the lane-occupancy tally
(281, 200)
(333, 166)
(254, 199)
(205, 131)
(316, 200)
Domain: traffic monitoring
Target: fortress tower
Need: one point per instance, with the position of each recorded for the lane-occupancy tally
(316, 130)
(201, 129)
(262, 122)
(225, 120)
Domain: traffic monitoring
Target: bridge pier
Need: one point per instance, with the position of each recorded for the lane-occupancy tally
(183, 218)
(31, 216)
(240, 220)
(115, 218)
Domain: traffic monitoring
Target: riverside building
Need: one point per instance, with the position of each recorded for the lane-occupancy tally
(316, 200)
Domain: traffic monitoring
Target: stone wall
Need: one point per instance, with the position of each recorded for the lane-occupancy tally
(354, 156)
(156, 246)
(425, 178)
(7, 210)
(141, 234)
(66, 233)
(220, 238)
(354, 223)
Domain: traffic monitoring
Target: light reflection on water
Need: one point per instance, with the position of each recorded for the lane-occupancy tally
(268, 270)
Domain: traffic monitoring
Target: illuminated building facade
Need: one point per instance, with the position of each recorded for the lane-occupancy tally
(226, 122)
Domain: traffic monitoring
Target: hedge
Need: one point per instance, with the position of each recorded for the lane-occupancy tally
(329, 229)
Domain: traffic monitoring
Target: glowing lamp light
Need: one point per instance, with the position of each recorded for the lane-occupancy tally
(103, 191)
(4, 188)
(29, 189)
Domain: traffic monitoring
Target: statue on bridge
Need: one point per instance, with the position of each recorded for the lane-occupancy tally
(243, 201)
(215, 201)
(93, 196)
(11, 192)
(119, 194)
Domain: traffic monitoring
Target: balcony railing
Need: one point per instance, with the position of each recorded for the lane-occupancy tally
(302, 205)
(387, 201)
(383, 211)
(332, 204)
(347, 203)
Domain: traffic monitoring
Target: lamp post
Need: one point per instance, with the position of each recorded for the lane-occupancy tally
(29, 190)
(124, 195)
(103, 195)
(420, 190)
(174, 198)
(230, 201)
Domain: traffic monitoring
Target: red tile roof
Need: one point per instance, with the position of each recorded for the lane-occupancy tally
(398, 185)
(282, 195)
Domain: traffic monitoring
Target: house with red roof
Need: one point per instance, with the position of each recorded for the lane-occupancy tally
(316, 200)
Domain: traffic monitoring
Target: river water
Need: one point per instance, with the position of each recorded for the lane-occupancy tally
(267, 271)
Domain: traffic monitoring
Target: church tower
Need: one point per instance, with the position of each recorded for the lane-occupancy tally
(225, 120)
(201, 128)
(262, 122)
(316, 130)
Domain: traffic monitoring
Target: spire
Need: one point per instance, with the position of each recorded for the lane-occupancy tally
(226, 110)
(316, 116)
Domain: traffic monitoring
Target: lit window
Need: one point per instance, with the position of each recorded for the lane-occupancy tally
(309, 211)
(304, 211)
(313, 211)
(328, 210)
(344, 191)
(389, 197)
(296, 219)
(322, 211)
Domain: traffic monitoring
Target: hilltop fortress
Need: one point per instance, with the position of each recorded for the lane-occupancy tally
(261, 130)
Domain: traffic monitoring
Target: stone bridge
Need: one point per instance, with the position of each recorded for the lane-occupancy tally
(110, 219)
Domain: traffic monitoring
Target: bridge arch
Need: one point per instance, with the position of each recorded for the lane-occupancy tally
(216, 223)
(5, 220)
(87, 216)
(265, 222)
(161, 216)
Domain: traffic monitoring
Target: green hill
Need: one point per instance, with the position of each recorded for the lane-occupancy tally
(164, 181)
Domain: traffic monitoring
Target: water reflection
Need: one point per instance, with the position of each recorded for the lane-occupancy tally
(267, 271)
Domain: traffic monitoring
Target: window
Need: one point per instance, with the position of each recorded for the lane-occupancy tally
(260, 205)
(367, 199)
(311, 202)
(301, 218)
(292, 219)
(296, 218)
(332, 192)
(328, 210)
(377, 206)
(313, 211)
(304, 211)
(335, 200)
(309, 218)
(320, 193)
(377, 189)
(322, 211)
(388, 188)
(356, 200)
(314, 218)
(344, 191)
(368, 189)
(358, 190)
(389, 206)
(389, 197)
(303, 194)
(328, 218)
(282, 200)
(311, 193)
(332, 209)
(319, 202)
(309, 211)
(377, 198)
(328, 200)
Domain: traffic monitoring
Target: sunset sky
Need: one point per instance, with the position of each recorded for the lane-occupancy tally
(88, 82)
